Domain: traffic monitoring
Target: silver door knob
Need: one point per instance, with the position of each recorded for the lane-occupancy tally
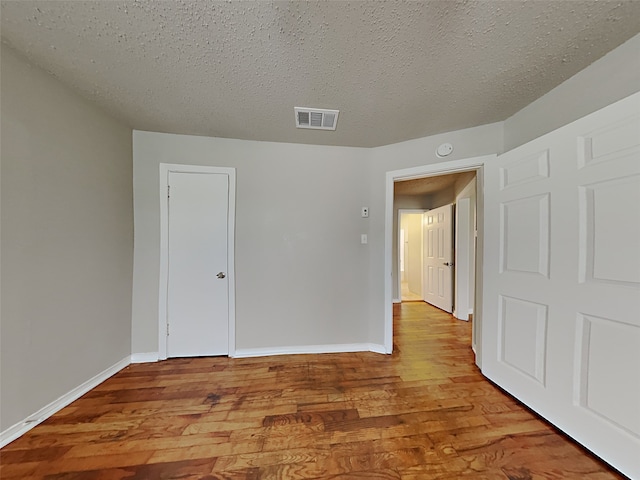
(448, 264)
(221, 275)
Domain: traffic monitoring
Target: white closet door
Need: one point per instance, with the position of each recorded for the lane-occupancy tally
(561, 316)
(197, 291)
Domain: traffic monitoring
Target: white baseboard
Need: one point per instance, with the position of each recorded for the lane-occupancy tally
(144, 357)
(376, 348)
(20, 428)
(306, 349)
(397, 300)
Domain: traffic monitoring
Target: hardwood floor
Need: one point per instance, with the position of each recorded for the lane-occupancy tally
(423, 413)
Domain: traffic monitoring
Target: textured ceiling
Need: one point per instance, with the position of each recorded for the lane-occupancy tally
(429, 185)
(395, 70)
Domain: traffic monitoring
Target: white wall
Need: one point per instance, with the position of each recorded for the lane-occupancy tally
(418, 202)
(67, 240)
(443, 197)
(413, 241)
(607, 80)
(301, 272)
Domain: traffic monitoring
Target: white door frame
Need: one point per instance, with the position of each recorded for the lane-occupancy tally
(165, 168)
(444, 168)
(401, 212)
(463, 237)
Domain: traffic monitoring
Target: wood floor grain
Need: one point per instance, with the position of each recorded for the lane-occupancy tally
(423, 413)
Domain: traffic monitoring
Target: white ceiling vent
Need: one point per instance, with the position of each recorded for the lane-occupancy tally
(316, 118)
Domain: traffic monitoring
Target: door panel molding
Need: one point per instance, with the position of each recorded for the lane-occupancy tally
(165, 169)
(569, 347)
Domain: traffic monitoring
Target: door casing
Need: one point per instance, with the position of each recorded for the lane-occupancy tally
(444, 168)
(165, 168)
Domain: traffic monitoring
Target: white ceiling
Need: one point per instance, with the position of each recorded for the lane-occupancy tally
(395, 70)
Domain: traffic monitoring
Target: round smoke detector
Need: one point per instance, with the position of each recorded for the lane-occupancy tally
(444, 150)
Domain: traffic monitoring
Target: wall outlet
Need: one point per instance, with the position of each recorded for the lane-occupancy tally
(365, 212)
(363, 239)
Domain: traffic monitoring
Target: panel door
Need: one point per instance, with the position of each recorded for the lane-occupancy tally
(438, 257)
(197, 290)
(561, 316)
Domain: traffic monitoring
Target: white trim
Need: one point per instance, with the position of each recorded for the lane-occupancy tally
(20, 428)
(462, 262)
(443, 168)
(147, 357)
(397, 300)
(309, 349)
(377, 348)
(165, 168)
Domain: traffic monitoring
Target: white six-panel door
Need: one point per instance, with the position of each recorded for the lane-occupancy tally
(438, 257)
(561, 316)
(197, 287)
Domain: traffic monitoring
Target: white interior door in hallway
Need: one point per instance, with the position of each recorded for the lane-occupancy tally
(438, 257)
(197, 280)
(561, 329)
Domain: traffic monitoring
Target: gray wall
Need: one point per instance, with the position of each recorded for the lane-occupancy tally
(66, 241)
(607, 80)
(301, 272)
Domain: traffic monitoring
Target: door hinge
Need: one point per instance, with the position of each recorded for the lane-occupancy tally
(168, 191)
(167, 329)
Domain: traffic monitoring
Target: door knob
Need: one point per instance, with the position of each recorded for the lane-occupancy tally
(221, 275)
(448, 264)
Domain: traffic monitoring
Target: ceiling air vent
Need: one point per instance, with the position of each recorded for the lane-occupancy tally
(316, 118)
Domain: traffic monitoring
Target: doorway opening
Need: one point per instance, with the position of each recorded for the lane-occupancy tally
(395, 182)
(436, 245)
(410, 261)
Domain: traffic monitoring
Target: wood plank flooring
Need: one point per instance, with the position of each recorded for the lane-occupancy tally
(424, 413)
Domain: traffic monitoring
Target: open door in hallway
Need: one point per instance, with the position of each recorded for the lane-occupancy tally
(438, 257)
